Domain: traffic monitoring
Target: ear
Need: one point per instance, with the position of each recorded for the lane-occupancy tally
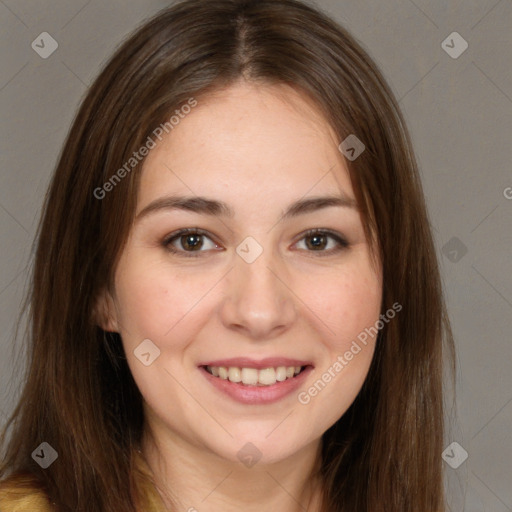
(104, 312)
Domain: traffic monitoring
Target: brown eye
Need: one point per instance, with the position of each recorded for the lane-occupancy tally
(187, 241)
(318, 240)
(192, 242)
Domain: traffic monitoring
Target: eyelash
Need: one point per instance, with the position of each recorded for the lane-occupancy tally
(342, 243)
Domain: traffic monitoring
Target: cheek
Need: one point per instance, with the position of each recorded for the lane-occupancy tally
(153, 301)
(347, 304)
(347, 308)
(159, 304)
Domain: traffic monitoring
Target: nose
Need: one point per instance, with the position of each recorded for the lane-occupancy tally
(259, 299)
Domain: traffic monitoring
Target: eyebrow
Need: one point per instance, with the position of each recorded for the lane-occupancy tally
(207, 206)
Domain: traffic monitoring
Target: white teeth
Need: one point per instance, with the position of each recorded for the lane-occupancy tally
(281, 373)
(234, 375)
(250, 376)
(267, 376)
(253, 376)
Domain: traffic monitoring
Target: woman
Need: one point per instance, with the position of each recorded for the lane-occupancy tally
(236, 301)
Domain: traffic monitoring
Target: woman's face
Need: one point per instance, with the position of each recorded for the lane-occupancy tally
(252, 290)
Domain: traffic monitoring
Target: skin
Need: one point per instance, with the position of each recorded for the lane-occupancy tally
(258, 148)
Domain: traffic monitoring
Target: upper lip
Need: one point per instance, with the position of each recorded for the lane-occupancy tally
(246, 362)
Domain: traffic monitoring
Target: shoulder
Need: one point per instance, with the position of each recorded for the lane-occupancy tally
(22, 494)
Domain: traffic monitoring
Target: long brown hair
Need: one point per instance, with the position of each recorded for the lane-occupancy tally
(79, 395)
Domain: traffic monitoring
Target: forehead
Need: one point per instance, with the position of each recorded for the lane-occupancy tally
(247, 141)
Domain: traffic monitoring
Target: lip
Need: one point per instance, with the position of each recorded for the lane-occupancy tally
(257, 395)
(246, 362)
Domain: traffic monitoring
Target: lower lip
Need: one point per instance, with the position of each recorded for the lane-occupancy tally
(257, 394)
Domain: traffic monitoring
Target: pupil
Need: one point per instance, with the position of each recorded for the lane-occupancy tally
(195, 241)
(317, 241)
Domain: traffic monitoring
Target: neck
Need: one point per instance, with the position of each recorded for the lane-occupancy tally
(194, 479)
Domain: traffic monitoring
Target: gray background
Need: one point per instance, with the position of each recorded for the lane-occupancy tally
(459, 113)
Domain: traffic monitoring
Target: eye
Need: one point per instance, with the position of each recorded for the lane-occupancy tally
(318, 241)
(190, 240)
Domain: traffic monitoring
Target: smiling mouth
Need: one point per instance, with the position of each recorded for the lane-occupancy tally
(253, 376)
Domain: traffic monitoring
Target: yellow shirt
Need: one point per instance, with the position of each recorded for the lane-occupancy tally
(24, 497)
